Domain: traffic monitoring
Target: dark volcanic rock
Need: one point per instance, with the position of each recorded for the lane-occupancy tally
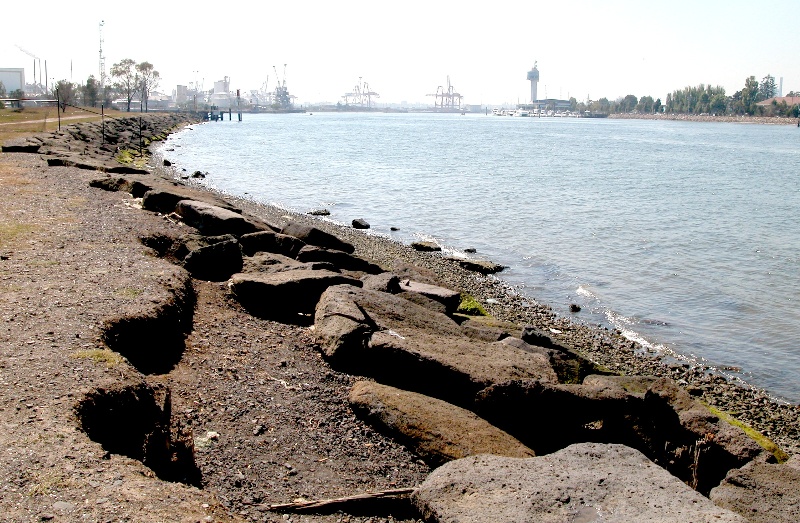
(585, 482)
(164, 199)
(287, 294)
(481, 266)
(318, 237)
(269, 241)
(339, 259)
(383, 282)
(447, 297)
(436, 430)
(761, 492)
(360, 223)
(425, 247)
(406, 345)
(216, 262)
(212, 220)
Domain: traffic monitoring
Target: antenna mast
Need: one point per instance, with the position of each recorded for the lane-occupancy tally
(102, 58)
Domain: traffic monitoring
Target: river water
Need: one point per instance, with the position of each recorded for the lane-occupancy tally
(683, 235)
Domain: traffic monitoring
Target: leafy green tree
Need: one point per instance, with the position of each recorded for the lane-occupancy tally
(2, 90)
(67, 93)
(629, 103)
(91, 92)
(657, 105)
(750, 95)
(645, 104)
(148, 79)
(718, 104)
(767, 88)
(127, 79)
(573, 104)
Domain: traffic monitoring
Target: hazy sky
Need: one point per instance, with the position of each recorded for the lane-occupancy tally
(406, 49)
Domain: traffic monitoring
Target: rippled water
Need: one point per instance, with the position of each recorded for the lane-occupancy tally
(684, 235)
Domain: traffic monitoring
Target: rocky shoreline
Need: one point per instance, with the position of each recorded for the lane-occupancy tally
(266, 358)
(763, 120)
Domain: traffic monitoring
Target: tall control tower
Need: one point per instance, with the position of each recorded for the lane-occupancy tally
(533, 76)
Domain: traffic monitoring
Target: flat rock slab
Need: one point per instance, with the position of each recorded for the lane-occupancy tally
(761, 492)
(215, 262)
(318, 237)
(583, 483)
(212, 220)
(400, 343)
(339, 259)
(164, 198)
(447, 297)
(436, 430)
(481, 266)
(284, 294)
(269, 241)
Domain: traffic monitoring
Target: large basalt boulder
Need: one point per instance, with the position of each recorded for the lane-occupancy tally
(436, 430)
(556, 415)
(447, 297)
(665, 423)
(340, 259)
(761, 492)
(270, 241)
(137, 188)
(215, 262)
(318, 237)
(211, 220)
(164, 199)
(269, 262)
(285, 295)
(383, 282)
(400, 343)
(481, 266)
(682, 435)
(586, 482)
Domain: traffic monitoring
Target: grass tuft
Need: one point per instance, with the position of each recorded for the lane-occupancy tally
(110, 358)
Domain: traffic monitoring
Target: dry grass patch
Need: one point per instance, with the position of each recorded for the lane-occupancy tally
(110, 358)
(9, 232)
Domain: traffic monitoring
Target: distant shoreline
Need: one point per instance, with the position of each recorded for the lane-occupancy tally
(763, 120)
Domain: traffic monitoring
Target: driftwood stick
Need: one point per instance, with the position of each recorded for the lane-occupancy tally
(329, 503)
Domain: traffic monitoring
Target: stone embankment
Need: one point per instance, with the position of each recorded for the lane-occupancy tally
(764, 120)
(249, 360)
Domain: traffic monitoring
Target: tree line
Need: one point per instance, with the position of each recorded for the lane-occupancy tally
(705, 99)
(131, 80)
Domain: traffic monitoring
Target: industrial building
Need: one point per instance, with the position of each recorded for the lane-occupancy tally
(13, 78)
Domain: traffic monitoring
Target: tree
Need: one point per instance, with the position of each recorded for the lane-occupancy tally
(645, 104)
(750, 95)
(148, 79)
(657, 105)
(91, 92)
(67, 93)
(767, 89)
(127, 78)
(718, 104)
(628, 103)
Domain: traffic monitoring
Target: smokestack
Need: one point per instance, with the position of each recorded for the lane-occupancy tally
(780, 89)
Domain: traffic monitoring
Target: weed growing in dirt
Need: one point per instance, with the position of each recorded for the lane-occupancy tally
(110, 358)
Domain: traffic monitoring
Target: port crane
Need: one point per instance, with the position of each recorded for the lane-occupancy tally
(361, 95)
(446, 99)
(282, 99)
